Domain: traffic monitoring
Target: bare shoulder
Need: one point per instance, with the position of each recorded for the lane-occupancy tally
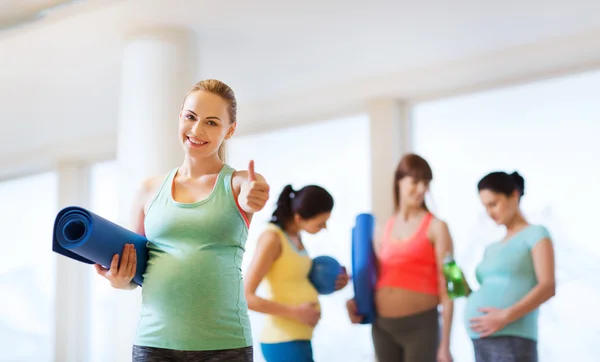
(439, 231)
(439, 226)
(269, 243)
(147, 190)
(141, 201)
(269, 238)
(151, 185)
(439, 234)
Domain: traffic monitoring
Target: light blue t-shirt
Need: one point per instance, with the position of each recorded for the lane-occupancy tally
(506, 274)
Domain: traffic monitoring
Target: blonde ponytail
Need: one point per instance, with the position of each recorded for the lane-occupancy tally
(222, 152)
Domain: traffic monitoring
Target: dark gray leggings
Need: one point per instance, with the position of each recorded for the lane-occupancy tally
(413, 338)
(151, 354)
(505, 349)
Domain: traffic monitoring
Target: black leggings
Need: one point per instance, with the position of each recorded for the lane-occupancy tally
(413, 338)
(505, 349)
(151, 354)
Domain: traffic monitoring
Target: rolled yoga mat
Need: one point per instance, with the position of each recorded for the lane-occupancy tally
(364, 273)
(86, 237)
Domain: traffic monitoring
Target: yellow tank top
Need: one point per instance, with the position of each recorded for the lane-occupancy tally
(287, 283)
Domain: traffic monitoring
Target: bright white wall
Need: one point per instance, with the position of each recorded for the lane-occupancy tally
(332, 155)
(63, 135)
(547, 131)
(27, 280)
(104, 201)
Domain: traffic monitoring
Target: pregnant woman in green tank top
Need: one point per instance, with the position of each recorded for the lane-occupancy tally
(196, 221)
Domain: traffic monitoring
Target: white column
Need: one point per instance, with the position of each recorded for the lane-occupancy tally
(390, 138)
(159, 67)
(72, 277)
(389, 126)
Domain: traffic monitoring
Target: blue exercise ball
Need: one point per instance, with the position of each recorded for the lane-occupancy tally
(323, 274)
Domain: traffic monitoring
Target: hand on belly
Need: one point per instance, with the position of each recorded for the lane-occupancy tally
(491, 321)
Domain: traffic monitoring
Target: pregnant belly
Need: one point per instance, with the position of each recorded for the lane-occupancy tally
(183, 288)
(477, 300)
(398, 302)
(292, 292)
(496, 295)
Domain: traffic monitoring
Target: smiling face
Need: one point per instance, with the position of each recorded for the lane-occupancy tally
(204, 123)
(411, 182)
(413, 191)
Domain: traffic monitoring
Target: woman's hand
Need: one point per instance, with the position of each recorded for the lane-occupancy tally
(254, 193)
(353, 312)
(120, 274)
(342, 279)
(307, 313)
(443, 354)
(491, 322)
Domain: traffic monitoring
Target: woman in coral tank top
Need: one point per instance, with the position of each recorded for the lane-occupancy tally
(410, 285)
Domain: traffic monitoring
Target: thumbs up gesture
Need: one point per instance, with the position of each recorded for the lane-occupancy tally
(254, 192)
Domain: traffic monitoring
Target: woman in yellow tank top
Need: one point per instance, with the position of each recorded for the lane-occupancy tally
(292, 304)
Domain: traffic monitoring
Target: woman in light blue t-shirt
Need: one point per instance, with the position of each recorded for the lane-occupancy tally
(516, 276)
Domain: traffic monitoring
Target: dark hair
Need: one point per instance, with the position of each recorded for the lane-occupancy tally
(307, 202)
(411, 165)
(502, 183)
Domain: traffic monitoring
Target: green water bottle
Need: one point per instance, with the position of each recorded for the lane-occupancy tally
(456, 284)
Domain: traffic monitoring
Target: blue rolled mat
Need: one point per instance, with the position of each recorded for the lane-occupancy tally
(86, 237)
(364, 273)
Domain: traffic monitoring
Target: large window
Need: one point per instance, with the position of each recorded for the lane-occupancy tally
(103, 202)
(548, 132)
(327, 154)
(27, 268)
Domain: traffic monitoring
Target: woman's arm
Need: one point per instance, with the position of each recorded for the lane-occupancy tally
(543, 262)
(443, 244)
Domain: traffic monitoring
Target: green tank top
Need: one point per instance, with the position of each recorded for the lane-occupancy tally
(192, 296)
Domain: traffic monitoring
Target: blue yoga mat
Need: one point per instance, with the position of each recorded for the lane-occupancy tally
(86, 237)
(364, 273)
